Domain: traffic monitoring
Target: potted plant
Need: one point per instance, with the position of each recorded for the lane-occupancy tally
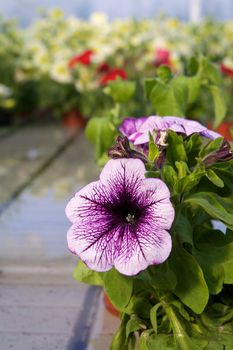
(146, 230)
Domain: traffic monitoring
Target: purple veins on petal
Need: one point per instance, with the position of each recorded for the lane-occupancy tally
(121, 220)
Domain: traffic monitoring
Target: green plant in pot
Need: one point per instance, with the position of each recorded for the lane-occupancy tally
(156, 232)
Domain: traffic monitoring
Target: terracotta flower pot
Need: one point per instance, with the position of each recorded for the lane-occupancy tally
(73, 120)
(224, 130)
(109, 306)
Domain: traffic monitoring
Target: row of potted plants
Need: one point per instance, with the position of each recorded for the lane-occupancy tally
(61, 64)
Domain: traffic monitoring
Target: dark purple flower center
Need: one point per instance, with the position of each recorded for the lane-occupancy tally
(126, 212)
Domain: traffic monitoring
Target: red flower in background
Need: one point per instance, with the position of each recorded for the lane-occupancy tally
(226, 70)
(83, 58)
(162, 56)
(103, 68)
(112, 74)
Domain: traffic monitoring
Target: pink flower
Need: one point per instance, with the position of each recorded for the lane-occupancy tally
(162, 57)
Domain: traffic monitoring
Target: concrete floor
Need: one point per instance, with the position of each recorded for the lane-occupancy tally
(41, 306)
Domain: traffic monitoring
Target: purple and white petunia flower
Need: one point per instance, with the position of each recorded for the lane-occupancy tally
(157, 124)
(131, 125)
(122, 220)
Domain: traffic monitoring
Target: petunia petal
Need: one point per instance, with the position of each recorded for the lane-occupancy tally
(210, 134)
(73, 207)
(147, 246)
(96, 250)
(131, 125)
(156, 198)
(122, 170)
(177, 124)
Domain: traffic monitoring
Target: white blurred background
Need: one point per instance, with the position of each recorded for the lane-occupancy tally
(27, 10)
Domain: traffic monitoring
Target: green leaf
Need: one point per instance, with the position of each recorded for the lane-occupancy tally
(83, 274)
(169, 175)
(100, 132)
(219, 105)
(167, 99)
(184, 229)
(182, 339)
(217, 207)
(228, 272)
(153, 150)
(119, 339)
(213, 177)
(133, 325)
(227, 177)
(191, 287)
(161, 341)
(213, 272)
(212, 345)
(194, 86)
(182, 169)
(164, 73)
(153, 315)
(192, 65)
(118, 287)
(211, 147)
(154, 174)
(159, 277)
(138, 305)
(213, 250)
(175, 149)
(149, 84)
(181, 92)
(121, 90)
(188, 182)
(143, 340)
(211, 71)
(181, 309)
(192, 145)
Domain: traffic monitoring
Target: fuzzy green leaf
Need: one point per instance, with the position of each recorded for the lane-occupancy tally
(83, 274)
(119, 339)
(164, 73)
(161, 341)
(168, 99)
(213, 177)
(191, 287)
(134, 324)
(175, 149)
(153, 316)
(100, 132)
(219, 105)
(118, 287)
(217, 207)
(121, 90)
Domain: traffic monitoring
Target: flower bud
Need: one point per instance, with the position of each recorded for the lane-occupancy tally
(122, 149)
(223, 154)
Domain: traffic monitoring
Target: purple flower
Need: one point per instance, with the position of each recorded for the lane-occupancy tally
(131, 125)
(121, 220)
(155, 124)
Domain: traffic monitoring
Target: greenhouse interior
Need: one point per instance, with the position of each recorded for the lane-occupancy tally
(116, 144)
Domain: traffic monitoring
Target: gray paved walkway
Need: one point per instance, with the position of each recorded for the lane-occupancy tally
(41, 306)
